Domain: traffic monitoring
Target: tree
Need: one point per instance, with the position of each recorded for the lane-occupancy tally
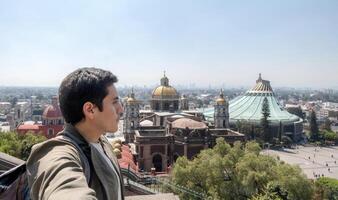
(314, 131)
(296, 111)
(18, 145)
(272, 191)
(326, 188)
(327, 125)
(239, 172)
(329, 136)
(239, 125)
(265, 121)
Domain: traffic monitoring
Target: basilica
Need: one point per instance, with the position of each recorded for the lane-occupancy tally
(169, 129)
(247, 109)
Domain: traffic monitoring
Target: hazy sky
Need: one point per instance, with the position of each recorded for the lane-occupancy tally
(291, 42)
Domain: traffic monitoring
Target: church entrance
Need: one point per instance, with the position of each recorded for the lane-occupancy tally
(157, 162)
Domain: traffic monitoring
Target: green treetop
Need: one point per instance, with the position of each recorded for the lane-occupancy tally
(265, 121)
(240, 172)
(18, 145)
(314, 131)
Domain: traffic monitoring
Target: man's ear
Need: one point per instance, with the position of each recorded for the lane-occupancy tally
(88, 110)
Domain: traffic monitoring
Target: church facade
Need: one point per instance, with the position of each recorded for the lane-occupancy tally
(170, 130)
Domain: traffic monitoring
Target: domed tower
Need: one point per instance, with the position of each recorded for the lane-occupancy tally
(131, 117)
(52, 119)
(184, 103)
(165, 97)
(221, 112)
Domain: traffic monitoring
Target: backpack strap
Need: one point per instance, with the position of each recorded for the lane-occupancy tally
(68, 138)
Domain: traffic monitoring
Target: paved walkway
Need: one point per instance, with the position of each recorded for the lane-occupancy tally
(314, 161)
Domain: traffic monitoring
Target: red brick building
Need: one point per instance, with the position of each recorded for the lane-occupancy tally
(52, 122)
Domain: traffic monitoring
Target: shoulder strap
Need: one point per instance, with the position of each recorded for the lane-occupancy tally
(84, 160)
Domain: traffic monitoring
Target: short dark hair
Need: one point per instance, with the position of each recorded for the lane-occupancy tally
(81, 86)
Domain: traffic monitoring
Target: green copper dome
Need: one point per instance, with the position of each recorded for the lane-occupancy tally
(249, 106)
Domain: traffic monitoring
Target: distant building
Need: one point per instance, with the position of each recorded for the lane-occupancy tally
(37, 109)
(52, 122)
(5, 107)
(4, 127)
(248, 109)
(21, 112)
(330, 109)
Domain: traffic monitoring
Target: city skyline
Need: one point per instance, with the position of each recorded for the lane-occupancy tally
(216, 43)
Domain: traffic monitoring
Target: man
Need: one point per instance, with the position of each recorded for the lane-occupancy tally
(58, 169)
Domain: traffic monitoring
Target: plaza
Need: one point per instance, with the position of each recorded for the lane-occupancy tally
(314, 161)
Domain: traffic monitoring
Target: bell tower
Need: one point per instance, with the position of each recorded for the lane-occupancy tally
(131, 117)
(221, 114)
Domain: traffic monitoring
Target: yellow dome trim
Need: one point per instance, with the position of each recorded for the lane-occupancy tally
(165, 91)
(220, 101)
(131, 100)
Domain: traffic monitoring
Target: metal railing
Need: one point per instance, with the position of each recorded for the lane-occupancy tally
(153, 185)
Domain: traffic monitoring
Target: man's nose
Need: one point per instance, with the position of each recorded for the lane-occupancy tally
(121, 109)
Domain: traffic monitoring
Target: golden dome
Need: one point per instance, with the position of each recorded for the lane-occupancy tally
(165, 91)
(220, 101)
(131, 100)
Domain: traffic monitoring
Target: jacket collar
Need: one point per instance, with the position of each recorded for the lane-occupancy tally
(74, 134)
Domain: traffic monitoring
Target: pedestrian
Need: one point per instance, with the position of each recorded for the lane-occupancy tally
(56, 169)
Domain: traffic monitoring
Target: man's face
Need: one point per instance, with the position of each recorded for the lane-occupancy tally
(108, 119)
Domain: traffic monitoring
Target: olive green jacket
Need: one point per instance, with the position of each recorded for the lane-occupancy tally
(55, 170)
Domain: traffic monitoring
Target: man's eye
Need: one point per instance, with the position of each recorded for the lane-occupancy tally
(116, 102)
